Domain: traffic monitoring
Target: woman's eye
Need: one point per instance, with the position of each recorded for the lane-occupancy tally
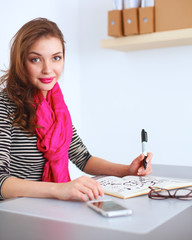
(57, 58)
(35, 60)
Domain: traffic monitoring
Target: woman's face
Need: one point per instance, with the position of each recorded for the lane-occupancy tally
(44, 63)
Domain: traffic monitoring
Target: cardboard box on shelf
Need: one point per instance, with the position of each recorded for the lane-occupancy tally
(173, 14)
(146, 20)
(130, 21)
(115, 23)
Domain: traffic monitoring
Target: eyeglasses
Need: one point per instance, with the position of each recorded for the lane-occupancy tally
(161, 193)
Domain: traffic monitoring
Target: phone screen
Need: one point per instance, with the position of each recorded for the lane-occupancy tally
(108, 206)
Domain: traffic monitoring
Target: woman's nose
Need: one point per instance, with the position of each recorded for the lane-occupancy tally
(46, 67)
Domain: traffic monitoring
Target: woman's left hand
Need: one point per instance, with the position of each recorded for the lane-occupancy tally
(137, 168)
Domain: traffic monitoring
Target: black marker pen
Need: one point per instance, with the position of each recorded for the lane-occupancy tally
(144, 140)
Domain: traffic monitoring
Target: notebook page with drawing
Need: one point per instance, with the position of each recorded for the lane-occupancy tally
(132, 186)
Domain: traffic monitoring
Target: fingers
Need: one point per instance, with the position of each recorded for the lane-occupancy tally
(85, 188)
(149, 157)
(142, 171)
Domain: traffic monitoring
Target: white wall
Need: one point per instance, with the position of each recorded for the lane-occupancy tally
(125, 92)
(113, 95)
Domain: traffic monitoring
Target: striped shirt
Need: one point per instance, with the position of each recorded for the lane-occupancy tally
(19, 156)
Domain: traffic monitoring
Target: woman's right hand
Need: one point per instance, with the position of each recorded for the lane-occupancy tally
(83, 189)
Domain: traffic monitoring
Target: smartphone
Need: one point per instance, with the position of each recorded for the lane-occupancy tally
(109, 208)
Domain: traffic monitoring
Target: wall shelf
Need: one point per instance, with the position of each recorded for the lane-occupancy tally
(171, 38)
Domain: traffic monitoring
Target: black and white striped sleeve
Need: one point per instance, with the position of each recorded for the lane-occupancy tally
(78, 153)
(5, 143)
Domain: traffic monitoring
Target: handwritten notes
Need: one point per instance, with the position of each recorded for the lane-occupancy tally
(130, 186)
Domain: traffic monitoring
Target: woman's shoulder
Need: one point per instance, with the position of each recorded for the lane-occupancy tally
(6, 103)
(4, 98)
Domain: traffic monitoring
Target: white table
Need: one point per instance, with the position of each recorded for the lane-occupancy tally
(50, 219)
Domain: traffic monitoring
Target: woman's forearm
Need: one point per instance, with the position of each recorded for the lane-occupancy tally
(16, 187)
(82, 188)
(99, 166)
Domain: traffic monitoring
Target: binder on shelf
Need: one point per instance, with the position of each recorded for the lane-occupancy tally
(146, 20)
(115, 23)
(130, 21)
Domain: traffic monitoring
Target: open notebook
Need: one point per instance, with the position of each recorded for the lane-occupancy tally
(132, 186)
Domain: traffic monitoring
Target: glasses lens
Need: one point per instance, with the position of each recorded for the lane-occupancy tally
(159, 193)
(185, 194)
(164, 193)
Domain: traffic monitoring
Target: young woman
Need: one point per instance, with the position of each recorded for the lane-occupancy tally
(36, 133)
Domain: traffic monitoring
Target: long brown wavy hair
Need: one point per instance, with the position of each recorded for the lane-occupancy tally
(16, 80)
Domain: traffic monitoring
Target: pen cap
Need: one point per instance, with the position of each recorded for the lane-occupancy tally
(144, 137)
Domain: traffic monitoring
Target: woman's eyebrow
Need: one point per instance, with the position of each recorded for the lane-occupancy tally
(34, 53)
(57, 53)
(40, 54)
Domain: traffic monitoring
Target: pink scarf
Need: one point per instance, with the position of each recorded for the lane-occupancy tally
(54, 136)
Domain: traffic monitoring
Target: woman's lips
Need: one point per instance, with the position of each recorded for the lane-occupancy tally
(46, 80)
